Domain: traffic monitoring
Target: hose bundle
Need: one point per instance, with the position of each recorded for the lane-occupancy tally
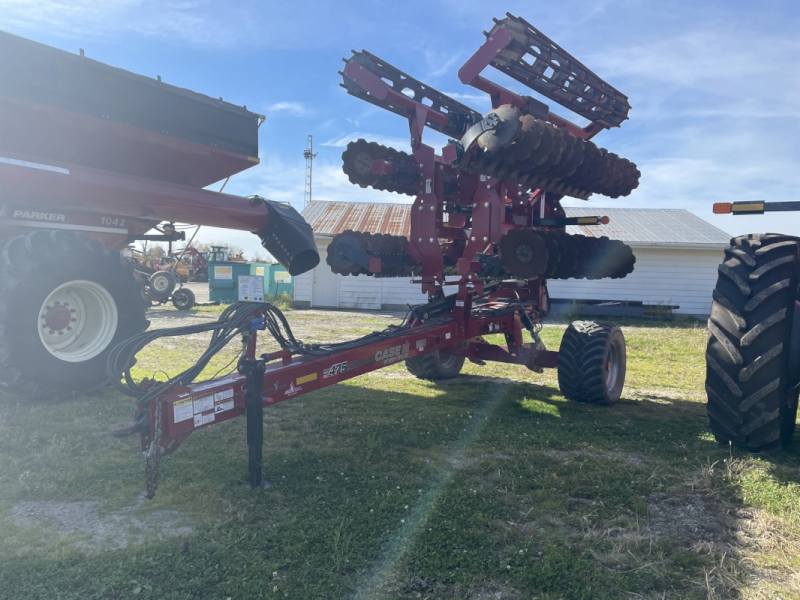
(235, 320)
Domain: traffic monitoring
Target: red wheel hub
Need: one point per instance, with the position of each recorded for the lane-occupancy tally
(57, 317)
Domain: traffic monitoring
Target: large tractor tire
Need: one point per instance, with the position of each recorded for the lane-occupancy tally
(65, 301)
(592, 361)
(753, 338)
(435, 365)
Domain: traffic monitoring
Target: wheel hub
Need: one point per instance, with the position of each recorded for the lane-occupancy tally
(58, 317)
(77, 321)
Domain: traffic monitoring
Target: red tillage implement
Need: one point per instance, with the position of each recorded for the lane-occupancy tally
(487, 211)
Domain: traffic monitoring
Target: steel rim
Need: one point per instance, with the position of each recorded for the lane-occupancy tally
(447, 360)
(77, 321)
(613, 366)
(180, 298)
(160, 284)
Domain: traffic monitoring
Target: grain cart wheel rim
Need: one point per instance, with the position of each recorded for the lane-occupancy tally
(751, 357)
(78, 320)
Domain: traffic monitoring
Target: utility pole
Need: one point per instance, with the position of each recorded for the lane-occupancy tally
(309, 155)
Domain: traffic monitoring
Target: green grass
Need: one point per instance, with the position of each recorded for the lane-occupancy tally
(390, 487)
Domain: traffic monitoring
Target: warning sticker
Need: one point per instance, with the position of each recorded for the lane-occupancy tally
(203, 403)
(223, 395)
(182, 410)
(223, 406)
(203, 419)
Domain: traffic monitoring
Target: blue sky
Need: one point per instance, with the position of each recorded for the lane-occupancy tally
(714, 85)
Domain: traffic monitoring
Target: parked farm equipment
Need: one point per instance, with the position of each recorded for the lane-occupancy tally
(753, 354)
(92, 158)
(486, 212)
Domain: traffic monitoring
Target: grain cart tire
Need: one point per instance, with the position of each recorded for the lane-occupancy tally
(435, 365)
(65, 301)
(592, 362)
(162, 283)
(183, 299)
(751, 366)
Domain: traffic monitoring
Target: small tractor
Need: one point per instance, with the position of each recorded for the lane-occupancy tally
(753, 353)
(487, 231)
(91, 159)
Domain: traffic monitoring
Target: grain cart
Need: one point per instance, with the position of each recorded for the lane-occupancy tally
(91, 158)
(485, 212)
(753, 354)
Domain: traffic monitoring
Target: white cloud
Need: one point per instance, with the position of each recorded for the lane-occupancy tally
(342, 140)
(185, 21)
(293, 108)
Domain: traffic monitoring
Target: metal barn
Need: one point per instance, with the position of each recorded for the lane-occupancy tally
(677, 254)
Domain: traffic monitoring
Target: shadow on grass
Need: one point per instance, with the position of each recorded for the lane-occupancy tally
(478, 485)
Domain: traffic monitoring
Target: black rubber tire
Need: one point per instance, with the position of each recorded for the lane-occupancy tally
(183, 299)
(435, 365)
(162, 283)
(31, 267)
(751, 400)
(592, 362)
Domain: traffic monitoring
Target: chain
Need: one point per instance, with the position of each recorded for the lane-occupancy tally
(153, 456)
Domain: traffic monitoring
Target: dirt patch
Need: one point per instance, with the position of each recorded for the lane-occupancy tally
(567, 456)
(690, 518)
(100, 530)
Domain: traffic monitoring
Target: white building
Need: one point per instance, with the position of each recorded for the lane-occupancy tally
(677, 254)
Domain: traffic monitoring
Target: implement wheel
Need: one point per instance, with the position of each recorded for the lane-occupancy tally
(435, 365)
(65, 301)
(753, 357)
(592, 362)
(183, 299)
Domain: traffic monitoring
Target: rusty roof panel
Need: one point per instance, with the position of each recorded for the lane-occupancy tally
(651, 226)
(331, 218)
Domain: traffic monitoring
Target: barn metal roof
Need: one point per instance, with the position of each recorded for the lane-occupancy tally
(635, 226)
(650, 226)
(330, 218)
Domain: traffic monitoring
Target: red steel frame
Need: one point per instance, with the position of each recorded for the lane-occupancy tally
(289, 375)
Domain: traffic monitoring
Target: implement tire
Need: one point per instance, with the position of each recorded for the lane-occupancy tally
(750, 363)
(183, 299)
(435, 365)
(65, 301)
(592, 362)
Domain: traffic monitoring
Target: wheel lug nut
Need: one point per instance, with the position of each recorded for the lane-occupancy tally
(73, 320)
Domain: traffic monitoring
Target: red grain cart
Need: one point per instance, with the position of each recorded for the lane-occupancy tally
(92, 158)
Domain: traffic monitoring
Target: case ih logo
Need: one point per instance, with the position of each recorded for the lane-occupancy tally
(393, 354)
(39, 216)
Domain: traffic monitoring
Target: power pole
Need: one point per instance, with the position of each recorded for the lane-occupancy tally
(309, 155)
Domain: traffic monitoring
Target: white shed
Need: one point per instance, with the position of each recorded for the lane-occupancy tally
(677, 254)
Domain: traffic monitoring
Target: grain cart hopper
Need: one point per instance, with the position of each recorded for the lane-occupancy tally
(486, 212)
(753, 353)
(91, 158)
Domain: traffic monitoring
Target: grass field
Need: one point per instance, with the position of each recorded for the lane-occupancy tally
(487, 486)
